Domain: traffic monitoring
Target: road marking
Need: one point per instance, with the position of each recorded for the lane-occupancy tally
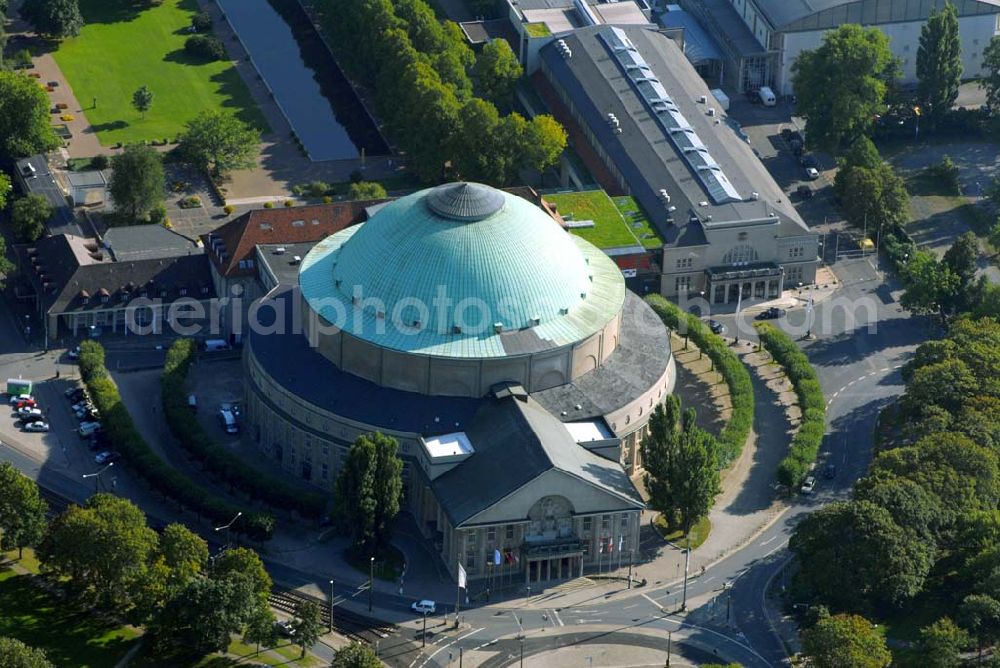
(769, 540)
(444, 647)
(647, 597)
(851, 383)
(709, 579)
(629, 607)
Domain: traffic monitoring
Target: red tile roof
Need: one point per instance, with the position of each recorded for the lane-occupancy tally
(236, 240)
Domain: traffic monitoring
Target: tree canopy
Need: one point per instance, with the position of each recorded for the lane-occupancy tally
(25, 125)
(55, 18)
(363, 190)
(28, 216)
(138, 183)
(497, 71)
(355, 655)
(219, 142)
(22, 510)
(846, 641)
(991, 78)
(5, 189)
(142, 100)
(939, 63)
(15, 654)
(841, 85)
(368, 491)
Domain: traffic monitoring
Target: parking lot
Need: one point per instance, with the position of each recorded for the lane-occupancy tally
(214, 383)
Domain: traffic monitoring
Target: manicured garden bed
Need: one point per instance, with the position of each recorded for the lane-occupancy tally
(125, 45)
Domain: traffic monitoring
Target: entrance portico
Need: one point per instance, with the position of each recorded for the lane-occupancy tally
(763, 280)
(554, 560)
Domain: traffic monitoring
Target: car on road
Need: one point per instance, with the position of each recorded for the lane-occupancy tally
(716, 327)
(25, 411)
(19, 397)
(424, 607)
(830, 471)
(74, 354)
(812, 173)
(805, 192)
(30, 403)
(106, 457)
(772, 313)
(809, 485)
(285, 628)
(36, 426)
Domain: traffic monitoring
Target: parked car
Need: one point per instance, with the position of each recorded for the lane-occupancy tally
(26, 419)
(28, 410)
(424, 607)
(74, 393)
(74, 354)
(805, 192)
(285, 628)
(716, 327)
(31, 403)
(106, 457)
(772, 313)
(809, 485)
(812, 173)
(36, 426)
(830, 471)
(19, 397)
(809, 160)
(88, 428)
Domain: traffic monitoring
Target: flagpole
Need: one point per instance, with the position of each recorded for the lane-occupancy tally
(739, 305)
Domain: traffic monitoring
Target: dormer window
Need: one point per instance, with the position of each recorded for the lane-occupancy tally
(183, 292)
(204, 290)
(124, 297)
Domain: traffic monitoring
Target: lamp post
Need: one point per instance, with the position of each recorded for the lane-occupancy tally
(670, 642)
(630, 553)
(371, 584)
(97, 476)
(522, 652)
(331, 606)
(423, 636)
(227, 528)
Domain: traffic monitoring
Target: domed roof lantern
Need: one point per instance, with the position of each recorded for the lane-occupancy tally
(465, 201)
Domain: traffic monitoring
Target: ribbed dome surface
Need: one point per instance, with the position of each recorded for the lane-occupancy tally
(465, 201)
(450, 283)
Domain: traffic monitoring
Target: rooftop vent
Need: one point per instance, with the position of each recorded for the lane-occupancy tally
(456, 329)
(711, 111)
(535, 321)
(280, 250)
(664, 195)
(498, 328)
(296, 259)
(703, 99)
(755, 195)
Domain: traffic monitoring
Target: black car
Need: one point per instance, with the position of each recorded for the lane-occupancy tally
(771, 313)
(809, 161)
(830, 472)
(716, 327)
(28, 419)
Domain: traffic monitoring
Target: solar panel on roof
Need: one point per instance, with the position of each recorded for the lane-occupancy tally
(669, 118)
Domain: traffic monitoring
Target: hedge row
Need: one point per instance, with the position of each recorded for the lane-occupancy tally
(143, 460)
(216, 457)
(736, 431)
(805, 444)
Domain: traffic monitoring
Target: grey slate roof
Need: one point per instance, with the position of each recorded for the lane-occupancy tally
(597, 85)
(143, 242)
(516, 440)
(781, 13)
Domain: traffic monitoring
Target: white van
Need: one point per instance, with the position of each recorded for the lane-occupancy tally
(228, 421)
(212, 345)
(767, 97)
(88, 428)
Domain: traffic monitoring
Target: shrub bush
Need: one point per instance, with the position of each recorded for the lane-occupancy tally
(228, 209)
(216, 457)
(734, 373)
(805, 444)
(202, 22)
(138, 456)
(268, 205)
(99, 162)
(205, 47)
(289, 203)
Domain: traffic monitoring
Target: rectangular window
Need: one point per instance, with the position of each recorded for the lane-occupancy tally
(624, 521)
(471, 540)
(510, 532)
(605, 522)
(588, 523)
(491, 535)
(470, 560)
(326, 472)
(682, 283)
(685, 262)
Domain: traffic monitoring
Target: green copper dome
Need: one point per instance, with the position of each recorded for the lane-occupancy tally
(455, 270)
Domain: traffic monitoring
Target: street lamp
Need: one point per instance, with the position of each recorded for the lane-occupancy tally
(331, 606)
(522, 651)
(227, 528)
(371, 584)
(97, 476)
(423, 636)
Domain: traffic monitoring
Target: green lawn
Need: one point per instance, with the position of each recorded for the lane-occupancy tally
(122, 48)
(610, 229)
(636, 218)
(699, 532)
(68, 636)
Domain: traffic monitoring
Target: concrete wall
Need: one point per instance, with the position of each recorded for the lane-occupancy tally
(904, 38)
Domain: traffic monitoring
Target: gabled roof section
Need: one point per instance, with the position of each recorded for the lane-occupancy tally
(234, 242)
(516, 440)
(784, 13)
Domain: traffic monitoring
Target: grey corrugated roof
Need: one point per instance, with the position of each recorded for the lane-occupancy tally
(143, 242)
(597, 85)
(515, 441)
(783, 12)
(699, 47)
(735, 35)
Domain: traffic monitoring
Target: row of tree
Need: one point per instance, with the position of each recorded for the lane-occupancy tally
(924, 524)
(419, 69)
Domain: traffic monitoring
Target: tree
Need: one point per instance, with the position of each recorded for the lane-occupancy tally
(15, 654)
(497, 71)
(962, 258)
(846, 641)
(205, 47)
(930, 284)
(980, 615)
(853, 555)
(25, 126)
(22, 510)
(545, 142)
(202, 617)
(56, 18)
(307, 625)
(694, 474)
(368, 491)
(28, 216)
(862, 153)
(184, 553)
(355, 655)
(841, 85)
(939, 63)
(363, 190)
(5, 189)
(911, 506)
(105, 547)
(260, 628)
(142, 100)
(658, 451)
(138, 183)
(219, 142)
(874, 199)
(246, 562)
(942, 643)
(991, 79)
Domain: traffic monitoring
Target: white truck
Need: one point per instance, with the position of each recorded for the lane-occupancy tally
(721, 98)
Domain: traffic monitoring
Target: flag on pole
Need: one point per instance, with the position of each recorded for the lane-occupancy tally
(496, 557)
(461, 577)
(621, 542)
(611, 545)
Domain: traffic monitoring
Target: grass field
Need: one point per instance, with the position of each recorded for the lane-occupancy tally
(123, 47)
(68, 636)
(699, 532)
(617, 222)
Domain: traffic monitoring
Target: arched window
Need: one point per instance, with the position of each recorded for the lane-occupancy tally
(740, 255)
